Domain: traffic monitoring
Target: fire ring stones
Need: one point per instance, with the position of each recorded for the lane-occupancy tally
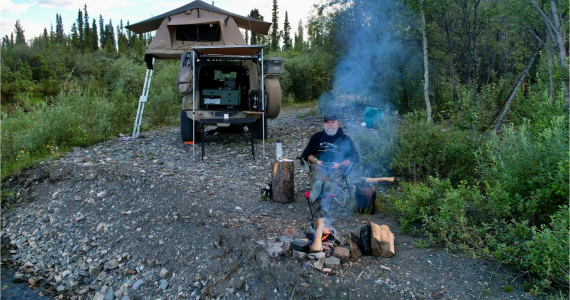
(342, 254)
(332, 262)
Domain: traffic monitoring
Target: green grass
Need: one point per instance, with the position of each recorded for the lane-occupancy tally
(300, 104)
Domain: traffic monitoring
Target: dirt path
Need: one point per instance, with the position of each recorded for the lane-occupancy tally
(142, 220)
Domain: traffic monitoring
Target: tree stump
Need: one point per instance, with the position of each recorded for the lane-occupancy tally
(282, 181)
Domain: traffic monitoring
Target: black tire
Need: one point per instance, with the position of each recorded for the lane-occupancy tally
(258, 129)
(187, 127)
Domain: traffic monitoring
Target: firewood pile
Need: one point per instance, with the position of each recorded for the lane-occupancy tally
(329, 252)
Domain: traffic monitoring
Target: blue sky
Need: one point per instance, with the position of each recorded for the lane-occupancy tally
(35, 15)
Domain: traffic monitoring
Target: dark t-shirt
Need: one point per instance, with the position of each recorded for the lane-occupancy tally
(335, 148)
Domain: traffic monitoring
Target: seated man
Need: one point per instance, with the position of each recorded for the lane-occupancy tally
(328, 151)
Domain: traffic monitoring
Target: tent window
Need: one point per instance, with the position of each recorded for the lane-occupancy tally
(198, 32)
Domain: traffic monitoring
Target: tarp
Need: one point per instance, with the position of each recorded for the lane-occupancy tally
(165, 45)
(199, 6)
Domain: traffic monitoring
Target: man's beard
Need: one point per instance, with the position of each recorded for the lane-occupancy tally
(331, 131)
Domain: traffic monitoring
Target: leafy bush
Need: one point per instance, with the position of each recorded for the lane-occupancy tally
(529, 167)
(431, 149)
(546, 254)
(307, 75)
(377, 145)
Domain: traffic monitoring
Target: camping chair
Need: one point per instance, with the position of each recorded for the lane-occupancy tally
(339, 194)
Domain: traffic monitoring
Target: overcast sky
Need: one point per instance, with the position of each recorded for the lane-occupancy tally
(35, 15)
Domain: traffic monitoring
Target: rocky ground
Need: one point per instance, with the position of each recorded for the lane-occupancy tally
(143, 220)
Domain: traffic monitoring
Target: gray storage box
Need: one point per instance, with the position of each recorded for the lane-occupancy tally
(273, 65)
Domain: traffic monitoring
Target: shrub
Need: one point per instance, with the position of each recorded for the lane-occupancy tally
(529, 167)
(431, 149)
(546, 254)
(377, 145)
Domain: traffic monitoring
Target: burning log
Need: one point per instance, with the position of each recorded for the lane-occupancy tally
(317, 245)
(382, 241)
(282, 181)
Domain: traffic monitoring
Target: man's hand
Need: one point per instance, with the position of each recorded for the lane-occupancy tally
(335, 165)
(319, 162)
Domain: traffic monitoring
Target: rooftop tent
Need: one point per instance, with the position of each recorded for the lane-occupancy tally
(196, 24)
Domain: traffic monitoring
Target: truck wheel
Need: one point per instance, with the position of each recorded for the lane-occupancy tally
(258, 129)
(274, 97)
(186, 128)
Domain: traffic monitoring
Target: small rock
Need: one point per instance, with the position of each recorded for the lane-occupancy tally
(163, 273)
(163, 284)
(109, 295)
(332, 262)
(275, 251)
(286, 246)
(300, 245)
(286, 239)
(420, 296)
(230, 290)
(299, 255)
(112, 264)
(137, 284)
(125, 298)
(342, 254)
(60, 288)
(77, 198)
(31, 281)
(327, 270)
(319, 264)
(316, 255)
(19, 278)
(82, 291)
(94, 271)
(102, 276)
(98, 296)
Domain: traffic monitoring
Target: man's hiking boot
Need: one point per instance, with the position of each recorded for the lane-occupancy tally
(316, 190)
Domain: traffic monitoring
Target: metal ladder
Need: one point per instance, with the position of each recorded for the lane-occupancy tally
(142, 100)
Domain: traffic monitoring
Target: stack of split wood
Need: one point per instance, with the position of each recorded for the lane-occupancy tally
(373, 239)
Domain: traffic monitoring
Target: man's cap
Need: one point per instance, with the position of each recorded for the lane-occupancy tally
(330, 117)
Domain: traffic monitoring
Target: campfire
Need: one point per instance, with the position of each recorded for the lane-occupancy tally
(329, 251)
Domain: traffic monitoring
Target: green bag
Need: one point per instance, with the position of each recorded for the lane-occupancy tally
(372, 116)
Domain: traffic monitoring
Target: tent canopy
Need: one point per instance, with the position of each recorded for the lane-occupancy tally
(241, 21)
(247, 50)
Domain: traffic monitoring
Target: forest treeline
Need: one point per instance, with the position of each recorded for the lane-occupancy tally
(474, 94)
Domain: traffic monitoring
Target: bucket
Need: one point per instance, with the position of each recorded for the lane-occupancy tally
(365, 199)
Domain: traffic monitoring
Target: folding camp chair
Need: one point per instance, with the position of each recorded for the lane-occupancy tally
(339, 194)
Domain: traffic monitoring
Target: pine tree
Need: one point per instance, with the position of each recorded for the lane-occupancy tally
(275, 29)
(94, 37)
(74, 37)
(286, 35)
(20, 38)
(52, 39)
(45, 38)
(299, 42)
(80, 28)
(246, 36)
(59, 33)
(102, 36)
(86, 31)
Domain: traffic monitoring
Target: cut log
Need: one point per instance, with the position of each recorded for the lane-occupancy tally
(282, 181)
(365, 240)
(382, 241)
(354, 249)
(317, 245)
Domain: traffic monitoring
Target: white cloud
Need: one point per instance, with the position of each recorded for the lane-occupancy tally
(15, 9)
(31, 29)
(92, 5)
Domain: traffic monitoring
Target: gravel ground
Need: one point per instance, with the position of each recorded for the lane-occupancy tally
(142, 220)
